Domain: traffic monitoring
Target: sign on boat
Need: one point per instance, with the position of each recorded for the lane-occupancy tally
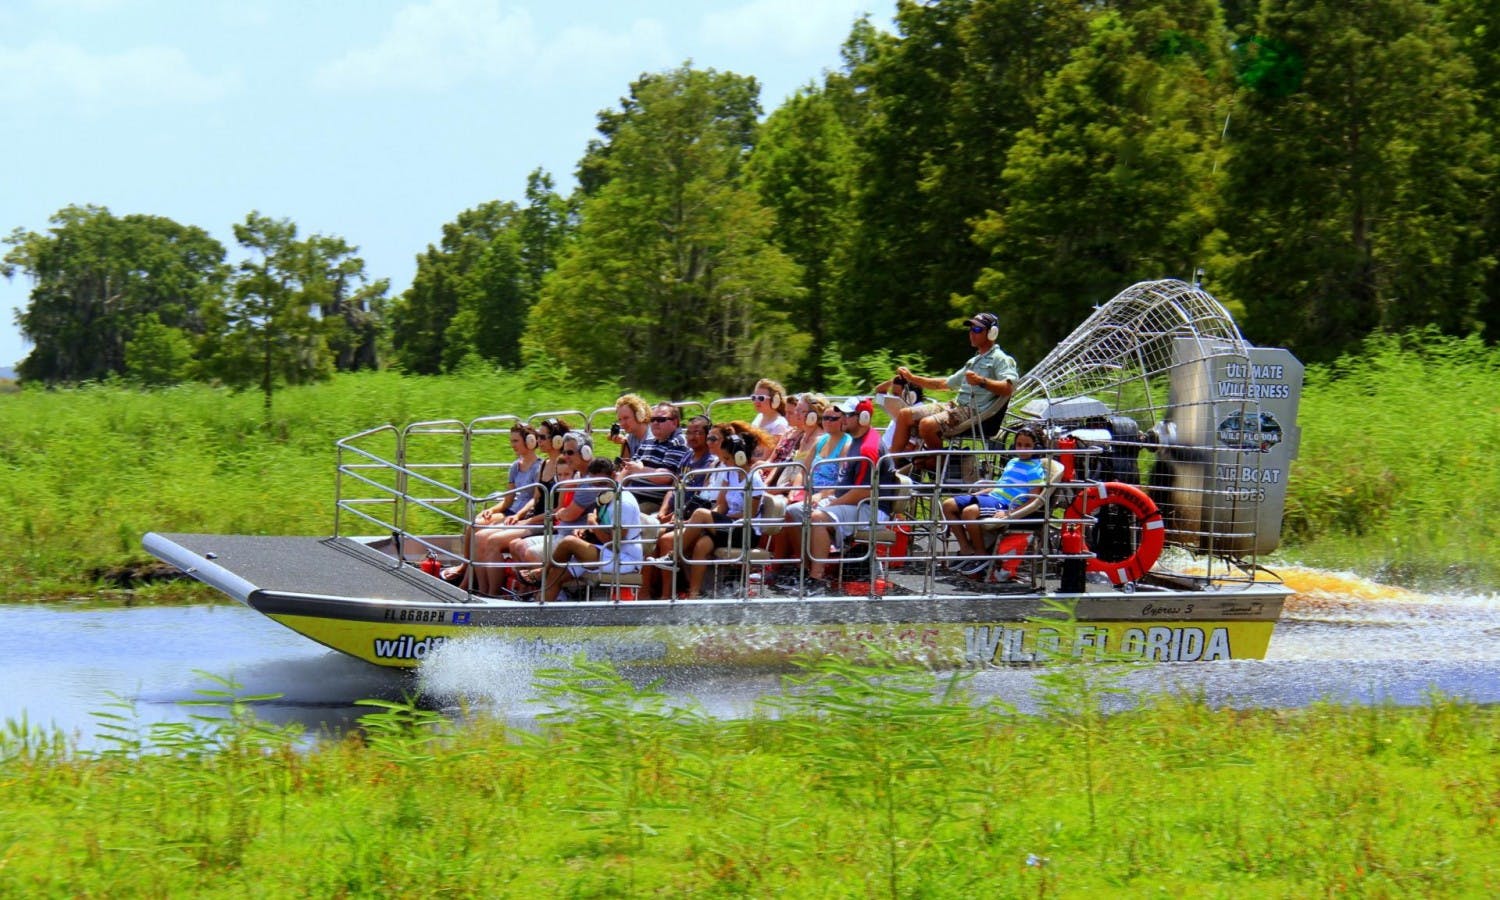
(1168, 444)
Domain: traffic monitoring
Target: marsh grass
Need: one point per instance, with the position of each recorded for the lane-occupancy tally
(856, 781)
(89, 470)
(1397, 478)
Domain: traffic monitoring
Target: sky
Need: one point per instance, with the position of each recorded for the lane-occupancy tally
(374, 120)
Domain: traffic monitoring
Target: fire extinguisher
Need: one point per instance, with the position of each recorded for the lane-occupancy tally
(1074, 566)
(432, 565)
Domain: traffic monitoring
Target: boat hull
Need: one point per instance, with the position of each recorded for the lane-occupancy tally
(350, 598)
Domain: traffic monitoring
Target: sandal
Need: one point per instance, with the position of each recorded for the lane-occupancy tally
(454, 574)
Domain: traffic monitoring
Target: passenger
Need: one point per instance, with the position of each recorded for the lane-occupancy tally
(697, 541)
(630, 428)
(549, 439)
(1020, 482)
(692, 475)
(803, 421)
(595, 542)
(520, 493)
(525, 543)
(653, 466)
(984, 386)
(832, 444)
(769, 398)
(832, 514)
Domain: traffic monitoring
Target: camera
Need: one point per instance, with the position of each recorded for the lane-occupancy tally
(614, 430)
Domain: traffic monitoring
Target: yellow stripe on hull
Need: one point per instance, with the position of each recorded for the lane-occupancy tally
(945, 645)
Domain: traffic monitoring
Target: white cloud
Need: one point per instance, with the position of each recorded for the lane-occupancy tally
(789, 27)
(645, 46)
(438, 44)
(141, 76)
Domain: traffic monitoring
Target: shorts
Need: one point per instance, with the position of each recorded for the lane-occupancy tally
(849, 517)
(630, 563)
(951, 418)
(989, 504)
(725, 536)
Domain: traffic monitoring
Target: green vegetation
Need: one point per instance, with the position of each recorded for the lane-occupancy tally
(865, 783)
(1397, 477)
(1329, 167)
(1394, 478)
(90, 470)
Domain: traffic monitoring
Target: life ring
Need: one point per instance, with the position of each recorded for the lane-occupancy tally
(1153, 529)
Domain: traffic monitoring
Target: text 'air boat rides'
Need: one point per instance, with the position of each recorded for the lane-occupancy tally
(1135, 477)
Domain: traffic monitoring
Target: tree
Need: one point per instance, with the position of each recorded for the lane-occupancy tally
(947, 96)
(273, 334)
(1358, 181)
(1472, 23)
(673, 282)
(1113, 184)
(157, 356)
(96, 277)
(350, 306)
(468, 295)
(802, 169)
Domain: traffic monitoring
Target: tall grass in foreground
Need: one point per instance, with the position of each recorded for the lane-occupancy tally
(865, 782)
(1395, 479)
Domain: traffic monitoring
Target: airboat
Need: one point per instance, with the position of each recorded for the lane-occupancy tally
(1168, 443)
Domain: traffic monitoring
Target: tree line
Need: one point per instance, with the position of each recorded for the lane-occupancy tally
(1326, 168)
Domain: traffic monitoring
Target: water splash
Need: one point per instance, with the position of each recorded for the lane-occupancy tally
(493, 673)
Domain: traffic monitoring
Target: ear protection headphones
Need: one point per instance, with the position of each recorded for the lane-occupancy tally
(994, 333)
(811, 421)
(776, 399)
(735, 444)
(864, 417)
(585, 446)
(606, 498)
(909, 392)
(530, 439)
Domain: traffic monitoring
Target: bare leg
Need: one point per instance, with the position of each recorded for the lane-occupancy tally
(701, 550)
(822, 544)
(950, 515)
(567, 550)
(975, 532)
(932, 434)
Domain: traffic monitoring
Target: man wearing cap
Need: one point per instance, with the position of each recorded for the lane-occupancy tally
(835, 511)
(984, 386)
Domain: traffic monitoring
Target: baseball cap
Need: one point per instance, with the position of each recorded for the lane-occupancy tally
(855, 405)
(982, 320)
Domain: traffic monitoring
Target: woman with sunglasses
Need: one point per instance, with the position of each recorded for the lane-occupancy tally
(520, 493)
(525, 541)
(795, 444)
(769, 399)
(823, 473)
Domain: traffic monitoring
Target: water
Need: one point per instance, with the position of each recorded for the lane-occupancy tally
(1342, 638)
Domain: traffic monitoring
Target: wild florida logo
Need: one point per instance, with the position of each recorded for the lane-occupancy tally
(1250, 431)
(407, 646)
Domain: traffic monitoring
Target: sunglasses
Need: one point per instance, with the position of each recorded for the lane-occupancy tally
(833, 417)
(657, 420)
(570, 453)
(760, 398)
(712, 439)
(975, 329)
